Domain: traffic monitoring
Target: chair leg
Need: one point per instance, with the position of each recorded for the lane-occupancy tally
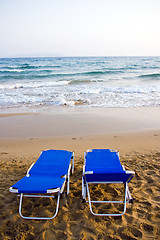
(73, 163)
(38, 218)
(106, 214)
(83, 189)
(129, 197)
(68, 178)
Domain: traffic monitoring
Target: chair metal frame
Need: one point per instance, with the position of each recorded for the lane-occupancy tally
(85, 189)
(57, 191)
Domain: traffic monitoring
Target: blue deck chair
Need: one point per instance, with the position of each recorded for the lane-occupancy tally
(47, 176)
(102, 166)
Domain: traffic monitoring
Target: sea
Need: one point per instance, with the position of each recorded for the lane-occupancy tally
(110, 82)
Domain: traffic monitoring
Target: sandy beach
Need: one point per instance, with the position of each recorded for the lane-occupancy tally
(135, 133)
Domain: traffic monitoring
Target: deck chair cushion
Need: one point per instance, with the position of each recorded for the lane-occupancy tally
(104, 165)
(52, 163)
(36, 184)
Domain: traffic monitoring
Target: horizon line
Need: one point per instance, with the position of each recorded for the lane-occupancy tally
(76, 56)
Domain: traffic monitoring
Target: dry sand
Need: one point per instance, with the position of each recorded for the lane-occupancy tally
(136, 137)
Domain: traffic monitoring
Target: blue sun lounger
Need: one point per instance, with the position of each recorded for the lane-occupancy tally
(102, 166)
(47, 176)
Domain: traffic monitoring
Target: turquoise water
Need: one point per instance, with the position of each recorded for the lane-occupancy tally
(80, 81)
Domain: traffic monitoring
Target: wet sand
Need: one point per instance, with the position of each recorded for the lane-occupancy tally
(68, 121)
(136, 137)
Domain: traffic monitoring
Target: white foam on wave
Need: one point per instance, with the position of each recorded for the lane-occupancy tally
(60, 93)
(11, 70)
(33, 84)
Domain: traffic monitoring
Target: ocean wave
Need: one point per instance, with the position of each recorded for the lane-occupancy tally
(20, 72)
(78, 82)
(152, 75)
(38, 73)
(7, 71)
(34, 67)
(101, 72)
(149, 67)
(35, 85)
(28, 66)
(27, 76)
(135, 90)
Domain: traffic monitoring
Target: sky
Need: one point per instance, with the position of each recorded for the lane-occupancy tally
(38, 28)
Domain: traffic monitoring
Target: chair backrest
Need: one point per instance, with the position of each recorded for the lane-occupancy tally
(103, 160)
(104, 165)
(52, 162)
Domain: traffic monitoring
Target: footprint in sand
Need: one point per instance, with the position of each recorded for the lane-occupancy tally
(147, 227)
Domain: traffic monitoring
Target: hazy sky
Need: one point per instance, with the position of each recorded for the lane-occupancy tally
(79, 28)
